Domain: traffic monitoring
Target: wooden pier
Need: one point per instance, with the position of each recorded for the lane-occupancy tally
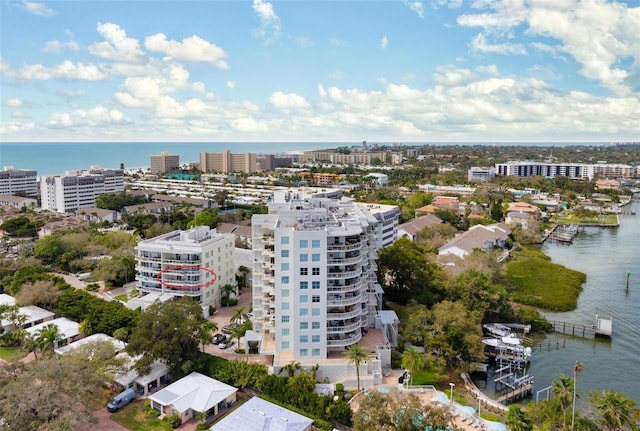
(523, 391)
(602, 328)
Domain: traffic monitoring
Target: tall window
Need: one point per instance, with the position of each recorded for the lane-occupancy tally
(304, 285)
(315, 338)
(304, 298)
(304, 257)
(284, 240)
(315, 257)
(304, 325)
(304, 338)
(315, 352)
(284, 266)
(315, 325)
(304, 271)
(285, 306)
(284, 253)
(315, 243)
(304, 352)
(315, 298)
(284, 319)
(303, 312)
(315, 271)
(284, 279)
(315, 285)
(304, 243)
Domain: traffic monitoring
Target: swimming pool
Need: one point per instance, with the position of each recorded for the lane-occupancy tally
(384, 389)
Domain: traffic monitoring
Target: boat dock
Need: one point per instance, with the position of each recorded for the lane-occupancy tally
(521, 392)
(563, 232)
(602, 328)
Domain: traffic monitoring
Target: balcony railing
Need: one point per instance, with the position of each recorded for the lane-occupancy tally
(344, 301)
(345, 341)
(344, 274)
(343, 247)
(343, 329)
(344, 315)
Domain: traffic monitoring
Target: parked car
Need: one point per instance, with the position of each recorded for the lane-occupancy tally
(219, 338)
(225, 345)
(226, 329)
(121, 400)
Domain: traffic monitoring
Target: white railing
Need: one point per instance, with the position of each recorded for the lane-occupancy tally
(346, 301)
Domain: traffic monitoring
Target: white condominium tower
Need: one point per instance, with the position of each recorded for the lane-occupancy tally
(18, 182)
(314, 285)
(79, 189)
(183, 263)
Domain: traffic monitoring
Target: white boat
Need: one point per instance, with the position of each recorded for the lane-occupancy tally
(497, 330)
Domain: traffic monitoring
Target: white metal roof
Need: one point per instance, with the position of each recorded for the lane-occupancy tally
(260, 415)
(195, 391)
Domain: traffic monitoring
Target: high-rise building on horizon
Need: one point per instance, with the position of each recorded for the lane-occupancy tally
(18, 182)
(164, 162)
(228, 162)
(79, 189)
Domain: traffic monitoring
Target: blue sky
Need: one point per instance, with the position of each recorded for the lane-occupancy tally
(382, 71)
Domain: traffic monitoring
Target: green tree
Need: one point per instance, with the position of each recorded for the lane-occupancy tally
(208, 217)
(238, 315)
(290, 368)
(577, 369)
(205, 333)
(49, 248)
(517, 419)
(48, 337)
(168, 332)
(615, 411)
(357, 355)
(413, 361)
(563, 391)
(227, 290)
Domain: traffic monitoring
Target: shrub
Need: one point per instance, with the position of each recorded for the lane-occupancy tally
(339, 387)
(202, 427)
(174, 420)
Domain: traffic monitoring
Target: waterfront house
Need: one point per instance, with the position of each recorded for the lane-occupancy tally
(191, 394)
(258, 414)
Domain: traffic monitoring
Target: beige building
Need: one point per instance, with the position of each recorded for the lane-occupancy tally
(228, 162)
(164, 162)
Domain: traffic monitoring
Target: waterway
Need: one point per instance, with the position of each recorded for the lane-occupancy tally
(606, 255)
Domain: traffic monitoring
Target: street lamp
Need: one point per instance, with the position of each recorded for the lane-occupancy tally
(452, 385)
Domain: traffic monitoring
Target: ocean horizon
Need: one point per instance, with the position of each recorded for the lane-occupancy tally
(55, 158)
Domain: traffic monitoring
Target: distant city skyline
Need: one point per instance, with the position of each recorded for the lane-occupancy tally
(381, 71)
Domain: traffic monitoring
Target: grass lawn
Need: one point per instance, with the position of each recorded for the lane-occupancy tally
(429, 377)
(570, 218)
(535, 280)
(131, 417)
(124, 297)
(12, 354)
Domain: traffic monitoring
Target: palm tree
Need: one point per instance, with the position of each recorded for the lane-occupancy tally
(205, 333)
(357, 355)
(29, 341)
(49, 336)
(617, 412)
(227, 290)
(517, 419)
(291, 368)
(563, 391)
(577, 369)
(238, 313)
(413, 361)
(314, 371)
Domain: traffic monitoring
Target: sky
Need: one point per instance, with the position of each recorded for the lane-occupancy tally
(320, 71)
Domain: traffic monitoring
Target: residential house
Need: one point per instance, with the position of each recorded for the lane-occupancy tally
(143, 384)
(522, 213)
(94, 338)
(411, 228)
(17, 202)
(98, 215)
(68, 329)
(32, 315)
(478, 237)
(191, 394)
(261, 415)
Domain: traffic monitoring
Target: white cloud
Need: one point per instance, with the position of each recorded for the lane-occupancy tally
(16, 127)
(338, 74)
(303, 41)
(600, 35)
(491, 69)
(117, 46)
(37, 8)
(231, 84)
(269, 22)
(13, 103)
(416, 6)
(286, 102)
(384, 42)
(54, 46)
(65, 70)
(95, 117)
(193, 49)
(479, 43)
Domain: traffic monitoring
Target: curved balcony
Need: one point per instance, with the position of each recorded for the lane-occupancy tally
(344, 342)
(344, 260)
(345, 301)
(355, 287)
(344, 274)
(195, 284)
(344, 247)
(341, 329)
(345, 315)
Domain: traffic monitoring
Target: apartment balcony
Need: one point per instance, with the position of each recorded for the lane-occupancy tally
(346, 288)
(344, 260)
(344, 274)
(141, 258)
(344, 315)
(333, 300)
(344, 247)
(180, 262)
(344, 342)
(344, 329)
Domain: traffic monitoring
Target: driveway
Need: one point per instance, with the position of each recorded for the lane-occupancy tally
(104, 423)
